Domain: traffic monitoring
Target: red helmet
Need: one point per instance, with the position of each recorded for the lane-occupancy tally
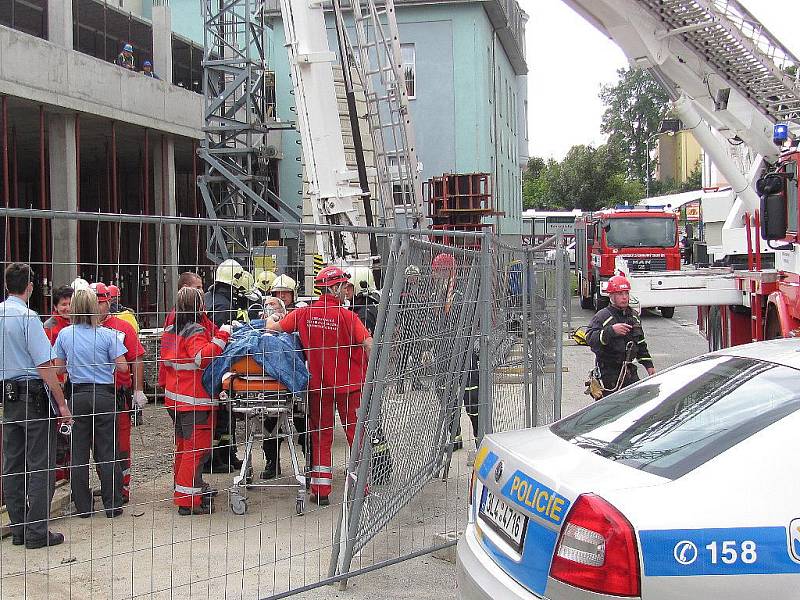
(101, 291)
(330, 276)
(443, 262)
(618, 283)
(113, 291)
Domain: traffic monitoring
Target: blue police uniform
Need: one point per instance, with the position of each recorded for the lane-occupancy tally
(29, 433)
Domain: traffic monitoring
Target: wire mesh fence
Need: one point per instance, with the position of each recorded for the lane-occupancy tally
(465, 342)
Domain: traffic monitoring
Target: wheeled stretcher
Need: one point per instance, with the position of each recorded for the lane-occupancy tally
(262, 400)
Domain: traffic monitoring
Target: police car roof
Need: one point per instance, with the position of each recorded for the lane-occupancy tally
(784, 352)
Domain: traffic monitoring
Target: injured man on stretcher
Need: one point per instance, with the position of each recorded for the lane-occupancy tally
(258, 365)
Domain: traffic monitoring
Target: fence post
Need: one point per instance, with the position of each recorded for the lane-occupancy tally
(558, 330)
(370, 409)
(534, 345)
(526, 341)
(484, 366)
(567, 287)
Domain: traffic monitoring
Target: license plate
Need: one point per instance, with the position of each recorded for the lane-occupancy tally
(504, 520)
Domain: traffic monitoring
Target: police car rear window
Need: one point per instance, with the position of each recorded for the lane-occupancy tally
(677, 420)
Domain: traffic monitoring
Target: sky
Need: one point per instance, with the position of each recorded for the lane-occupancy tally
(569, 61)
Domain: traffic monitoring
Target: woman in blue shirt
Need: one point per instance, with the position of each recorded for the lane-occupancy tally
(89, 354)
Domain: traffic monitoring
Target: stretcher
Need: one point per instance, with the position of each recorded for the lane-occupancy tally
(257, 398)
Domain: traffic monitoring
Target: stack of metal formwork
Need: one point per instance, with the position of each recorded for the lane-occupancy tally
(459, 202)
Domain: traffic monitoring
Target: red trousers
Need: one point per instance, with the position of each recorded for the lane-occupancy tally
(321, 419)
(193, 433)
(124, 450)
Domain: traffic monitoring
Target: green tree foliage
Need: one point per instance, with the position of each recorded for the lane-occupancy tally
(635, 107)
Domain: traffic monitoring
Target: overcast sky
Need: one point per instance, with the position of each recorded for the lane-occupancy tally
(569, 60)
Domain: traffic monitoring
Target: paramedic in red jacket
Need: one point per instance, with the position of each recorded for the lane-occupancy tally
(62, 297)
(187, 348)
(337, 346)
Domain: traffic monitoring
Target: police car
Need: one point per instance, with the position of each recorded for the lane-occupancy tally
(685, 485)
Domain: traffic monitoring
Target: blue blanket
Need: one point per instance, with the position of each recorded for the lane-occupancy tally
(280, 356)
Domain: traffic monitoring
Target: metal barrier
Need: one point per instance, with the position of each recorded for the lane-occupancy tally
(456, 328)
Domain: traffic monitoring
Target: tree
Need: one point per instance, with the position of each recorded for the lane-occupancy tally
(635, 107)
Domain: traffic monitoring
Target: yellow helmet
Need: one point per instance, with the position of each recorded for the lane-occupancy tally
(284, 283)
(361, 279)
(264, 281)
(246, 282)
(229, 271)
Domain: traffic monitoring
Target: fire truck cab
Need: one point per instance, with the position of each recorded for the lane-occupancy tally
(646, 237)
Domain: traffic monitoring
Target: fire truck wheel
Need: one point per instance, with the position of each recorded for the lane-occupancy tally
(600, 301)
(667, 311)
(772, 329)
(587, 303)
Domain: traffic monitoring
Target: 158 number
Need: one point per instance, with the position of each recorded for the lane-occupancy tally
(729, 552)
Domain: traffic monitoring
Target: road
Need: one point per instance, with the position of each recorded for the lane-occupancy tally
(671, 341)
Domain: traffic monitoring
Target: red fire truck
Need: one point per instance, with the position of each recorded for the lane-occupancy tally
(646, 237)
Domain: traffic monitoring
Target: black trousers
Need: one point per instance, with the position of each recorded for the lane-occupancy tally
(609, 375)
(271, 446)
(94, 409)
(29, 460)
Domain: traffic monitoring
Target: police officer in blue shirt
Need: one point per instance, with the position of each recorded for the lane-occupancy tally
(29, 429)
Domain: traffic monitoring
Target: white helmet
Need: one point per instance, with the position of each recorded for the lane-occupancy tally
(264, 281)
(284, 283)
(361, 279)
(229, 271)
(80, 284)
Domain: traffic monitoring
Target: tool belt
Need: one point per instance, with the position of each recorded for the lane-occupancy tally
(13, 391)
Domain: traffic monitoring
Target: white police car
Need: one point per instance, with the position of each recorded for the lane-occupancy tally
(685, 485)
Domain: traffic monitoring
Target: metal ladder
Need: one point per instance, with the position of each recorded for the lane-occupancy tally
(726, 35)
(379, 65)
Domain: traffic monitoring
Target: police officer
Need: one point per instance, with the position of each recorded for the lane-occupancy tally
(611, 330)
(29, 443)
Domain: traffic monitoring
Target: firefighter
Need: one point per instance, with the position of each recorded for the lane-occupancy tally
(609, 333)
(285, 289)
(363, 296)
(248, 299)
(264, 281)
(120, 311)
(187, 348)
(337, 347)
(223, 304)
(129, 387)
(28, 432)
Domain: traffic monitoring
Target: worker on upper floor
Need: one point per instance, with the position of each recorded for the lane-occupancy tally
(125, 58)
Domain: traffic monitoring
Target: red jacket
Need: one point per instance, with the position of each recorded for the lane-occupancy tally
(331, 336)
(209, 325)
(133, 347)
(53, 325)
(184, 356)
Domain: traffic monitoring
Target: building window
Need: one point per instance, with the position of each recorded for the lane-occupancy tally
(409, 56)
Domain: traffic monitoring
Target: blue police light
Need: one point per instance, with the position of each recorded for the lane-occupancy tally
(780, 133)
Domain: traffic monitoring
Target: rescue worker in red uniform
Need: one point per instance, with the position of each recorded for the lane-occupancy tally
(129, 390)
(337, 346)
(187, 348)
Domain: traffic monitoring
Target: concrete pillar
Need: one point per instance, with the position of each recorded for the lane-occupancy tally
(162, 40)
(163, 153)
(63, 195)
(59, 23)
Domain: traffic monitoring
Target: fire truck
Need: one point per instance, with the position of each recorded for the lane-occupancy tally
(733, 84)
(646, 237)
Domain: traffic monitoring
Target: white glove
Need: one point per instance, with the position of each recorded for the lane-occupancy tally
(225, 328)
(139, 399)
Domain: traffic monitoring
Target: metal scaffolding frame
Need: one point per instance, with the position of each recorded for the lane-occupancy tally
(235, 184)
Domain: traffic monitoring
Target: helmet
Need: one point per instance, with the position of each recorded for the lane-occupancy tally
(245, 282)
(412, 271)
(579, 336)
(101, 291)
(113, 291)
(79, 284)
(127, 48)
(362, 279)
(264, 280)
(443, 262)
(283, 283)
(229, 271)
(330, 276)
(618, 283)
(147, 63)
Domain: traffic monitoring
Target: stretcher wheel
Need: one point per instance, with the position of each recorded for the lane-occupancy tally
(238, 504)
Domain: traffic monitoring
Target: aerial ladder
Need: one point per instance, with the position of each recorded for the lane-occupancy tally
(236, 146)
(731, 82)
